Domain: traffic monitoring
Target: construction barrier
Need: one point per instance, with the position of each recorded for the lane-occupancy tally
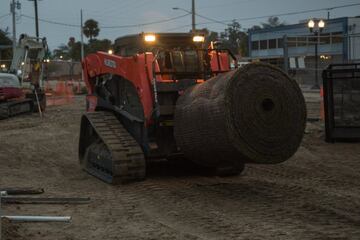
(63, 93)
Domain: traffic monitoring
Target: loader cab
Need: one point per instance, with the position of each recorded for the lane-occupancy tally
(179, 55)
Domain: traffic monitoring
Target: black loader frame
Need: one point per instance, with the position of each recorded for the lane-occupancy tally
(341, 84)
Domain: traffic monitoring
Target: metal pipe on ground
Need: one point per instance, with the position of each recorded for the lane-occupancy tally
(44, 200)
(38, 218)
(22, 191)
(254, 114)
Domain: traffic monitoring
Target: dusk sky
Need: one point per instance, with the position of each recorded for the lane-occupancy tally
(124, 12)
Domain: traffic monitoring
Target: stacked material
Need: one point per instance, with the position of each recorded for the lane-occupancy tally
(254, 114)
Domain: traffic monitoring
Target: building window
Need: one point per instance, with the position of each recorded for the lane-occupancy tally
(301, 41)
(272, 43)
(312, 40)
(337, 37)
(280, 43)
(263, 44)
(291, 41)
(255, 45)
(325, 38)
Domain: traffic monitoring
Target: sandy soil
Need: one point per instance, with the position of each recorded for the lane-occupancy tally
(314, 195)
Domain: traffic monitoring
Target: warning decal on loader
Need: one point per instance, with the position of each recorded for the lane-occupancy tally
(109, 63)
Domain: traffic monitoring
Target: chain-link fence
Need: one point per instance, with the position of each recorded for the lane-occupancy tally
(307, 67)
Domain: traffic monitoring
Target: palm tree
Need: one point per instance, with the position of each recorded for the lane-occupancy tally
(91, 29)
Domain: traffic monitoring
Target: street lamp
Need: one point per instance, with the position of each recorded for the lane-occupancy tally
(311, 25)
(321, 24)
(192, 12)
(316, 27)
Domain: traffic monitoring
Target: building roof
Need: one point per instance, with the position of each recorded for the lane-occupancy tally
(292, 26)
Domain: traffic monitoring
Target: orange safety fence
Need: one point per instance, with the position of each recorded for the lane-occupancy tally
(63, 93)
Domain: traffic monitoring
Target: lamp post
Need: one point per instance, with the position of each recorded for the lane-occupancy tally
(316, 27)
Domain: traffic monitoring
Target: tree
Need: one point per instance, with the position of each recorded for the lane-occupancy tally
(272, 22)
(99, 45)
(73, 49)
(5, 53)
(235, 39)
(210, 36)
(71, 42)
(62, 50)
(91, 29)
(255, 27)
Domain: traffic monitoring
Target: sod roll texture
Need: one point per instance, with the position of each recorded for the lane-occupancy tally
(254, 114)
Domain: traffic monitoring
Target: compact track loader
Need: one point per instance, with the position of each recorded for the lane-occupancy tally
(164, 95)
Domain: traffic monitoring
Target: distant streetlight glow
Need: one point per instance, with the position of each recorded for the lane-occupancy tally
(311, 24)
(321, 24)
(61, 56)
(110, 51)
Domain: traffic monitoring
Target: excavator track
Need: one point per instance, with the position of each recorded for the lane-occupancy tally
(13, 108)
(113, 156)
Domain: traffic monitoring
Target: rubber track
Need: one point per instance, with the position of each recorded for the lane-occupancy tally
(128, 162)
(10, 109)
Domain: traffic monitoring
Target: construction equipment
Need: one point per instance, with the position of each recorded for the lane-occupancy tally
(21, 90)
(166, 96)
(12, 98)
(341, 84)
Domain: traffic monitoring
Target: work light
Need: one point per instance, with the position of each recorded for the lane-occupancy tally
(149, 38)
(198, 38)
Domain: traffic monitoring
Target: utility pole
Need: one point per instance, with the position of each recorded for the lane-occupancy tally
(193, 16)
(82, 34)
(12, 9)
(82, 44)
(36, 17)
(286, 53)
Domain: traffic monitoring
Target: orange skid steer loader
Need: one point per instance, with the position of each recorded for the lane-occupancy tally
(166, 94)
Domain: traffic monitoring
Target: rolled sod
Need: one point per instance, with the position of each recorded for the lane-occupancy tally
(254, 114)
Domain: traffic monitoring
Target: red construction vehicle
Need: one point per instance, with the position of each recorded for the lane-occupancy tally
(132, 103)
(12, 97)
(21, 89)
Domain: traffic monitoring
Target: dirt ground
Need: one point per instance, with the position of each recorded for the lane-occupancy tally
(314, 195)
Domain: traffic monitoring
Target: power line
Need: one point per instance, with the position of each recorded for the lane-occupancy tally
(120, 26)
(224, 4)
(267, 16)
(211, 19)
(52, 22)
(5, 15)
(295, 13)
(127, 8)
(148, 23)
(223, 22)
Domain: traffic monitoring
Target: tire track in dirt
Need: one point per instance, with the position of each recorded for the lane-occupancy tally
(212, 211)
